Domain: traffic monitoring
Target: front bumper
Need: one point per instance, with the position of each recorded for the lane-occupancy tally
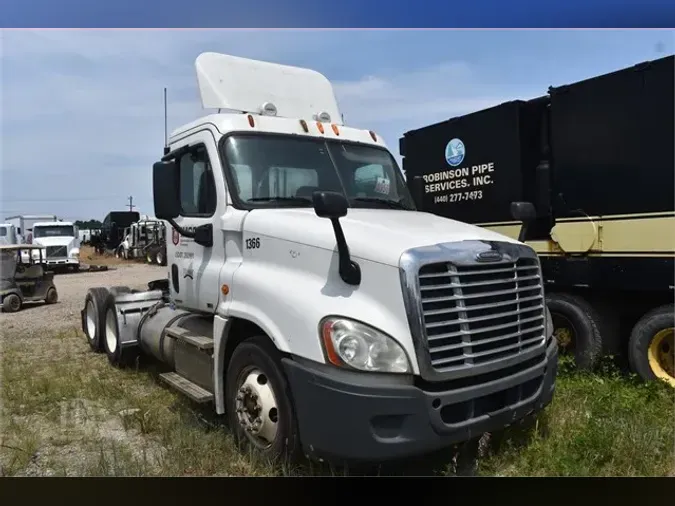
(347, 416)
(62, 261)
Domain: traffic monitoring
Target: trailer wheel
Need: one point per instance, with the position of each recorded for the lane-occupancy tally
(575, 327)
(258, 401)
(11, 303)
(118, 355)
(94, 317)
(651, 351)
(52, 296)
(149, 257)
(159, 257)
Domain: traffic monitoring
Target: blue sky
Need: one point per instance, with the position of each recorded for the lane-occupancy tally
(82, 118)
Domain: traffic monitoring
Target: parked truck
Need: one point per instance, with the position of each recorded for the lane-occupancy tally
(61, 241)
(308, 300)
(143, 239)
(590, 169)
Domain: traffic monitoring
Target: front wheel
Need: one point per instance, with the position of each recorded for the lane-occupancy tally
(652, 346)
(11, 303)
(258, 400)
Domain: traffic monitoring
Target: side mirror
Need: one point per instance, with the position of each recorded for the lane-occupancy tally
(332, 205)
(165, 190)
(523, 211)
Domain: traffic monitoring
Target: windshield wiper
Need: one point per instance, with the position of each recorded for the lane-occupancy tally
(390, 203)
(295, 200)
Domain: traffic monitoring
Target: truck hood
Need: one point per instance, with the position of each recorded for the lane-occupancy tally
(54, 241)
(379, 235)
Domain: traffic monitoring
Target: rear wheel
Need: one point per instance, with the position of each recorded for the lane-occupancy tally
(652, 346)
(11, 303)
(159, 257)
(258, 401)
(52, 296)
(575, 327)
(94, 317)
(118, 355)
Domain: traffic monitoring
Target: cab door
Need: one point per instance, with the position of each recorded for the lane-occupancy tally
(193, 268)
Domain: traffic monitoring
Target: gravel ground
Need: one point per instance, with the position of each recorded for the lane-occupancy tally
(37, 318)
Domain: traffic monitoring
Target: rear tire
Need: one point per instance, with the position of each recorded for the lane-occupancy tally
(94, 318)
(255, 372)
(572, 314)
(52, 296)
(160, 257)
(11, 303)
(117, 355)
(651, 352)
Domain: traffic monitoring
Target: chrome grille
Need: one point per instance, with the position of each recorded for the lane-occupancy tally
(478, 314)
(57, 251)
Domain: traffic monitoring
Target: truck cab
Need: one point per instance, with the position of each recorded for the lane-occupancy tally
(61, 242)
(309, 300)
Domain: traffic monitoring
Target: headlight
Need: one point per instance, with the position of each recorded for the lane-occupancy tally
(353, 344)
(75, 253)
(549, 322)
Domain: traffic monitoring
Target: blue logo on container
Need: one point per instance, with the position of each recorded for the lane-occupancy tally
(454, 152)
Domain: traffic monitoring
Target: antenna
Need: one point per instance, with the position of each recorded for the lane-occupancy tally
(166, 132)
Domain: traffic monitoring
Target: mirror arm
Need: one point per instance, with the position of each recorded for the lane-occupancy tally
(350, 272)
(181, 230)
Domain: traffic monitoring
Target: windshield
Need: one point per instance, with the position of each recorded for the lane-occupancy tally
(3, 231)
(276, 170)
(54, 231)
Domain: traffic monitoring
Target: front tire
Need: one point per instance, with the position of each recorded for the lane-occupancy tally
(11, 303)
(258, 401)
(651, 351)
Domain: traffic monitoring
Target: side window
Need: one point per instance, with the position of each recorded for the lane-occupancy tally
(367, 177)
(197, 186)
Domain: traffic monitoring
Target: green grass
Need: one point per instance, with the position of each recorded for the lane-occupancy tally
(66, 411)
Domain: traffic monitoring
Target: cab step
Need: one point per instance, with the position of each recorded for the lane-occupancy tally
(203, 343)
(187, 387)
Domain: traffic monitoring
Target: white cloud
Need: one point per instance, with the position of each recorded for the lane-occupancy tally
(82, 110)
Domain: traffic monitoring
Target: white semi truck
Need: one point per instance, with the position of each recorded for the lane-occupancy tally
(308, 300)
(61, 241)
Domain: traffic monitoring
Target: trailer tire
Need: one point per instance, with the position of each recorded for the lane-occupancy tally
(651, 352)
(150, 256)
(160, 257)
(119, 356)
(255, 371)
(577, 313)
(94, 317)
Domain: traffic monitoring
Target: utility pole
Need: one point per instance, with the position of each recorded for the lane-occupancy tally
(131, 203)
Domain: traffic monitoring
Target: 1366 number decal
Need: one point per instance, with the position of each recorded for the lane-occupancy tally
(253, 243)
